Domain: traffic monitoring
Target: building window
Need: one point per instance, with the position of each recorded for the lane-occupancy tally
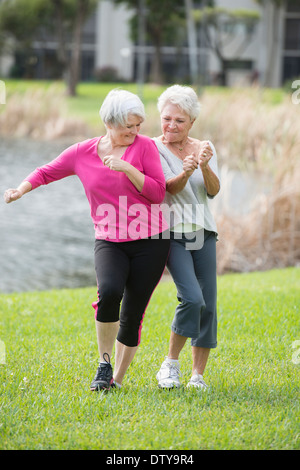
(293, 6)
(238, 64)
(292, 35)
(291, 68)
(87, 65)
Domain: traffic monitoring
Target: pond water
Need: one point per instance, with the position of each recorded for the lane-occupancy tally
(47, 237)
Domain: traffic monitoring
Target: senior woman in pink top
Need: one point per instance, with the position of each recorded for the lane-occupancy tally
(124, 183)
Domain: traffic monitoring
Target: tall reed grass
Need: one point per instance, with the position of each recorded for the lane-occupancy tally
(267, 237)
(40, 113)
(263, 139)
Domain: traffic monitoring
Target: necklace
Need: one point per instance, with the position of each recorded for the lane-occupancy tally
(181, 148)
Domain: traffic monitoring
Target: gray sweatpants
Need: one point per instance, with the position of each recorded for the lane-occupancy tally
(194, 273)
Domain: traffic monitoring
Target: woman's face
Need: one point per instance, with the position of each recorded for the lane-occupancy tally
(175, 123)
(126, 135)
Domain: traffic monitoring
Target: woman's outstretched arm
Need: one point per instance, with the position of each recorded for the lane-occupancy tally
(11, 195)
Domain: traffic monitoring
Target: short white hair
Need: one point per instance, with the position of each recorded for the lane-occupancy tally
(118, 105)
(184, 97)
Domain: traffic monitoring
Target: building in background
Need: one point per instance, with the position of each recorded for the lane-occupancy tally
(272, 56)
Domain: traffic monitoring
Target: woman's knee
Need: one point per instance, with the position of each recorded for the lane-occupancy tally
(129, 335)
(109, 299)
(194, 300)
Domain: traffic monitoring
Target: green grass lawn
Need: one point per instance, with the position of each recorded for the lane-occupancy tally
(51, 358)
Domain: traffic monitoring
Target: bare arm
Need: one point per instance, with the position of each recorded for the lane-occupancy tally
(211, 181)
(177, 184)
(11, 195)
(190, 164)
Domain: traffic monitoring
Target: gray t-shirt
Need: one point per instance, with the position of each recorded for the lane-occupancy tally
(188, 210)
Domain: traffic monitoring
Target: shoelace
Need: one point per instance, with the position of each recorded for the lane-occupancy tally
(104, 357)
(174, 370)
(103, 371)
(198, 379)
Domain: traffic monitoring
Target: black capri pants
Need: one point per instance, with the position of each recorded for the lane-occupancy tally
(127, 274)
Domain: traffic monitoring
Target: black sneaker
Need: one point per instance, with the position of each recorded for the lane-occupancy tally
(104, 375)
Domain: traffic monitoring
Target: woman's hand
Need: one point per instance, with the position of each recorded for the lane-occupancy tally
(11, 195)
(177, 184)
(115, 163)
(205, 155)
(190, 164)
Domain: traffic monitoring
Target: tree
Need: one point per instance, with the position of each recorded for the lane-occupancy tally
(70, 16)
(219, 25)
(161, 20)
(192, 40)
(21, 18)
(25, 19)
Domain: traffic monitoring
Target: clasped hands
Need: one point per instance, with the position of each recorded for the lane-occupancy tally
(191, 162)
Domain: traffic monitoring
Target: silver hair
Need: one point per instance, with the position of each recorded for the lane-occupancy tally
(118, 105)
(184, 97)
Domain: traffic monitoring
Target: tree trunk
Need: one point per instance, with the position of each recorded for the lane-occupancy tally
(274, 40)
(156, 75)
(192, 41)
(223, 73)
(61, 52)
(75, 60)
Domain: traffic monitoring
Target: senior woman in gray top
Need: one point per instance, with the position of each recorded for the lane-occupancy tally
(191, 172)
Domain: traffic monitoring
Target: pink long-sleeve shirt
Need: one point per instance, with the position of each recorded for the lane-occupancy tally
(119, 211)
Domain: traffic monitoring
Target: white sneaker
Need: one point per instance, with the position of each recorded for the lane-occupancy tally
(197, 381)
(168, 375)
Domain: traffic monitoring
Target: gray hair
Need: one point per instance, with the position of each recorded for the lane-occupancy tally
(184, 97)
(117, 106)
